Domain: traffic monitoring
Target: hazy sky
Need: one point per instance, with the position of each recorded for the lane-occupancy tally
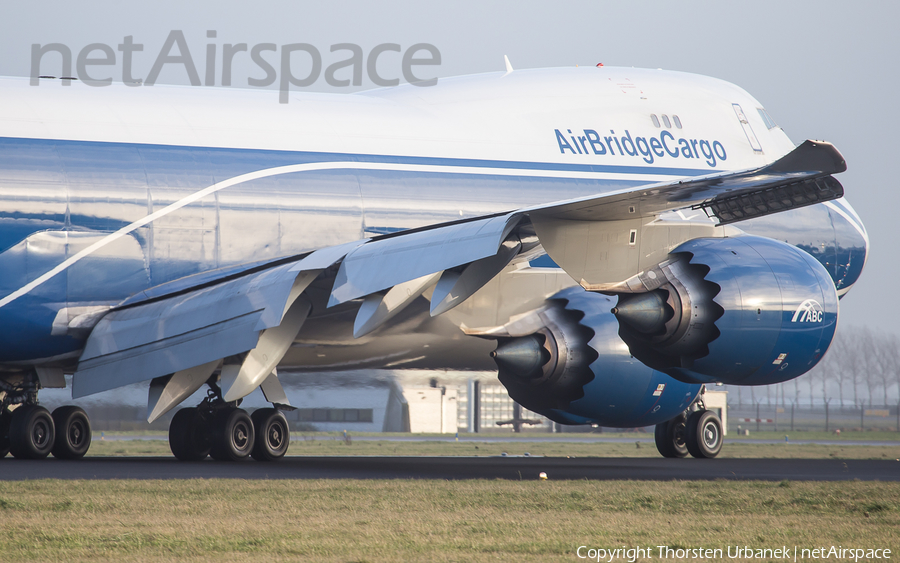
(823, 69)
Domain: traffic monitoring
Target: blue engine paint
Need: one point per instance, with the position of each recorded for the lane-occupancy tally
(780, 314)
(564, 417)
(623, 393)
(780, 311)
(624, 398)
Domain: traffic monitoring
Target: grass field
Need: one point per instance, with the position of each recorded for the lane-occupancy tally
(216, 521)
(735, 447)
(426, 520)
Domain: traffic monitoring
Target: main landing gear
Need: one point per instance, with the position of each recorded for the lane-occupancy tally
(698, 433)
(30, 431)
(227, 433)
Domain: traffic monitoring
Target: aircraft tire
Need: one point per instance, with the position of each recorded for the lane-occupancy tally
(670, 438)
(31, 432)
(5, 417)
(703, 434)
(273, 435)
(189, 435)
(232, 435)
(73, 433)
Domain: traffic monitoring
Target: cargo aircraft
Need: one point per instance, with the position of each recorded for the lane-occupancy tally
(609, 240)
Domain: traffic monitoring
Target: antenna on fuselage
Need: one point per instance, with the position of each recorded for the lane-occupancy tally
(509, 67)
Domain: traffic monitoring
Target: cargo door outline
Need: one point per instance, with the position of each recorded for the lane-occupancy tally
(751, 136)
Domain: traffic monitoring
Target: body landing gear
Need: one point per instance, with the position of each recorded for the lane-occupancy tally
(227, 433)
(73, 433)
(232, 435)
(272, 434)
(698, 433)
(189, 435)
(5, 417)
(29, 431)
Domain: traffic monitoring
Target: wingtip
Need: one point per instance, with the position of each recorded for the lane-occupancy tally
(820, 156)
(509, 67)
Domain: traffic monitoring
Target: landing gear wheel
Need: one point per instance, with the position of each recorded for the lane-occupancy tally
(703, 434)
(5, 417)
(73, 433)
(232, 435)
(272, 434)
(31, 432)
(189, 435)
(670, 438)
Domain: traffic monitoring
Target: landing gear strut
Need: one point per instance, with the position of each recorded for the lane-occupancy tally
(698, 433)
(226, 432)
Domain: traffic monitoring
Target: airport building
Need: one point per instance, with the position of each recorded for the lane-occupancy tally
(400, 401)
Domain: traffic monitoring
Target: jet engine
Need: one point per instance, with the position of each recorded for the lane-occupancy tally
(567, 362)
(746, 310)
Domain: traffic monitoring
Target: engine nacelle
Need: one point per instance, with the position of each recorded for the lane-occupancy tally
(575, 369)
(746, 310)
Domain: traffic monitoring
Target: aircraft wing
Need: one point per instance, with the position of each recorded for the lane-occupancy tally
(163, 333)
(800, 178)
(259, 311)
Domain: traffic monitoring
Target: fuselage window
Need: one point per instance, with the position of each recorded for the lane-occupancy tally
(666, 121)
(654, 119)
(677, 121)
(770, 123)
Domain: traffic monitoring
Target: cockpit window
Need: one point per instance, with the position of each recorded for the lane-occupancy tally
(770, 123)
(677, 121)
(666, 121)
(654, 119)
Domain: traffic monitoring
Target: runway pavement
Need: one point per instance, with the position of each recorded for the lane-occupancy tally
(510, 467)
(555, 438)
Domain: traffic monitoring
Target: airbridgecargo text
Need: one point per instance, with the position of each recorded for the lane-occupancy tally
(664, 145)
(785, 553)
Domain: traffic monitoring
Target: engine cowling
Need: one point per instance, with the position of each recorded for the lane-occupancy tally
(576, 369)
(746, 310)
